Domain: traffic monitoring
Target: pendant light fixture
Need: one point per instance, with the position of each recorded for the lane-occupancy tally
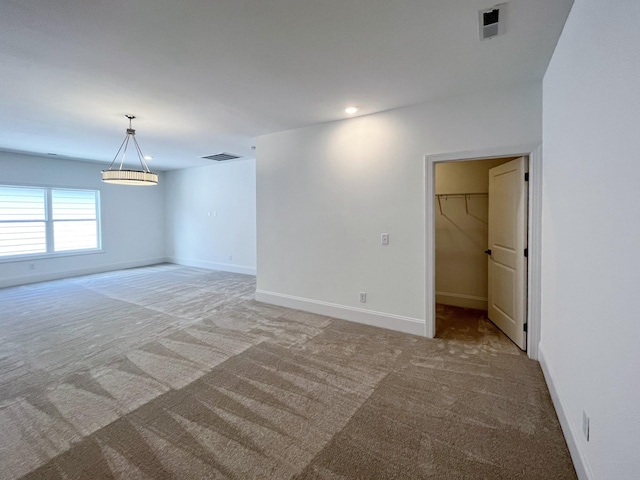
(129, 177)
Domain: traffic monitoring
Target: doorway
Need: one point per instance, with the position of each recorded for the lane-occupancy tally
(534, 232)
(479, 204)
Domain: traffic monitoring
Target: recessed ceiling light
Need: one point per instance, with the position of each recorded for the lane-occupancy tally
(148, 157)
(351, 110)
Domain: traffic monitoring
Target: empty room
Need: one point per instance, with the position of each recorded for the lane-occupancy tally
(319, 240)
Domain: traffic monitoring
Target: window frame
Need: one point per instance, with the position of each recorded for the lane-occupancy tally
(49, 224)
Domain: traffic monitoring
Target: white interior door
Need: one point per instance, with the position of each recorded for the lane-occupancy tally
(507, 292)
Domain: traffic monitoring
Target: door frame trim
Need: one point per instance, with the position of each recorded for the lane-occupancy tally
(534, 234)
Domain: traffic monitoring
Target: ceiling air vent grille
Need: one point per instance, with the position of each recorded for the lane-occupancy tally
(220, 157)
(491, 21)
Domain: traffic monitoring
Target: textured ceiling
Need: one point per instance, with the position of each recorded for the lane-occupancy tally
(205, 76)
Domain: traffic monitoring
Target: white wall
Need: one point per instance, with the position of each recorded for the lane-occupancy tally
(132, 220)
(211, 216)
(461, 237)
(590, 344)
(327, 192)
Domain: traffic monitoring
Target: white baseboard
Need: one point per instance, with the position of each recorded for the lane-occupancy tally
(460, 300)
(580, 462)
(377, 319)
(225, 267)
(76, 272)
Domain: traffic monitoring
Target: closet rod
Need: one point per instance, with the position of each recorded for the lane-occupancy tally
(465, 195)
(462, 194)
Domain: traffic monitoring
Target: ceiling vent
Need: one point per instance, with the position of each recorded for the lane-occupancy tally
(492, 21)
(220, 157)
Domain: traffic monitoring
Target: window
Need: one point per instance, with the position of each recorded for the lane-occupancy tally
(41, 220)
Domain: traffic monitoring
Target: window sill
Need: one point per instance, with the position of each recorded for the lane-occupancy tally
(48, 256)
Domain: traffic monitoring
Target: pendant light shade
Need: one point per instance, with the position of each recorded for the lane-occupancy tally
(124, 176)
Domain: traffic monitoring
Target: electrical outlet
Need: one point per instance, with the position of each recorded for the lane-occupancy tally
(384, 239)
(585, 425)
(363, 297)
(32, 266)
(230, 257)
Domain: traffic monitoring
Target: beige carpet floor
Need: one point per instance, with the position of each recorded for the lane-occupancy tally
(170, 372)
(473, 328)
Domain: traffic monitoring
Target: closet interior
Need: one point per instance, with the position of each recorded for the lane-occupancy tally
(461, 220)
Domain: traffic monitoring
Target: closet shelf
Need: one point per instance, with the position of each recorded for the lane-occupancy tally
(466, 196)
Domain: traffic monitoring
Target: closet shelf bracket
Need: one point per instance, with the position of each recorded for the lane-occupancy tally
(466, 196)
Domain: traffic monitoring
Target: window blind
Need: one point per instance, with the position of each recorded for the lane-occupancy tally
(74, 220)
(22, 221)
(40, 220)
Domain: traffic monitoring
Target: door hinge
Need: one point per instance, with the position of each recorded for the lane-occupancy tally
(526, 176)
(488, 252)
(524, 327)
(526, 252)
